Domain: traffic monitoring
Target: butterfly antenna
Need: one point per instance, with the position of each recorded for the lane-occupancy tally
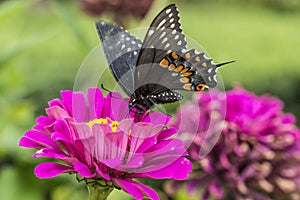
(224, 63)
(107, 90)
(110, 93)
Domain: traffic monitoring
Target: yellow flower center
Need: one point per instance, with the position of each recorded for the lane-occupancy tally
(113, 124)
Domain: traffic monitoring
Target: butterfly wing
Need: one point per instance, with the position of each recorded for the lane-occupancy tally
(165, 60)
(188, 70)
(121, 50)
(163, 36)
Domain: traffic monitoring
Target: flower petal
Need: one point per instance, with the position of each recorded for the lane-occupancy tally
(178, 170)
(83, 170)
(95, 103)
(34, 139)
(79, 107)
(136, 189)
(51, 169)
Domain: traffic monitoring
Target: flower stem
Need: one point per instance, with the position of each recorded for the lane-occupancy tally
(98, 192)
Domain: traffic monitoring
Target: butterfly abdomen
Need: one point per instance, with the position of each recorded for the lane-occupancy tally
(167, 97)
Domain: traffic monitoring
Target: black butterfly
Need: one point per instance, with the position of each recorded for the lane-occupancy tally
(150, 71)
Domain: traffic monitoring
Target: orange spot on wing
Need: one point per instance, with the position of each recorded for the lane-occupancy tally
(185, 70)
(172, 67)
(200, 86)
(185, 80)
(187, 86)
(164, 63)
(174, 55)
(179, 68)
(187, 55)
(204, 64)
(187, 74)
(197, 59)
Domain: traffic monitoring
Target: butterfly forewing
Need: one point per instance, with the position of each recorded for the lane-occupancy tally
(121, 50)
(163, 36)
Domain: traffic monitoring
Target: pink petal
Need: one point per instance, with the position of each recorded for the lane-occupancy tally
(51, 153)
(34, 139)
(51, 169)
(136, 189)
(83, 170)
(134, 162)
(119, 106)
(164, 134)
(44, 121)
(112, 163)
(57, 113)
(104, 175)
(79, 107)
(96, 102)
(178, 170)
(67, 97)
(157, 118)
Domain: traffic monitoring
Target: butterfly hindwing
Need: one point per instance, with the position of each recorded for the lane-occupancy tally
(121, 50)
(204, 67)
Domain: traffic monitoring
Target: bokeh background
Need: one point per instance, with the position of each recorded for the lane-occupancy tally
(44, 42)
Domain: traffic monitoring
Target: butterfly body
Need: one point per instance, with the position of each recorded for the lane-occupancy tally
(149, 72)
(144, 99)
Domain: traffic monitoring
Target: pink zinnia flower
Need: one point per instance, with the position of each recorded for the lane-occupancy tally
(89, 136)
(257, 155)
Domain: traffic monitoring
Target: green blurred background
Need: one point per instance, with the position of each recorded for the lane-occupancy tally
(44, 42)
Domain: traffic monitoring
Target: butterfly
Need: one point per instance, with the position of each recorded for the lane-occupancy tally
(149, 72)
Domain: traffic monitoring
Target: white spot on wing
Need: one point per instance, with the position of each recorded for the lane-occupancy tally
(179, 42)
(167, 45)
(170, 15)
(174, 32)
(172, 26)
(171, 20)
(129, 49)
(135, 53)
(205, 56)
(162, 35)
(162, 22)
(176, 37)
(164, 40)
(123, 46)
(150, 32)
(184, 50)
(133, 42)
(215, 77)
(168, 10)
